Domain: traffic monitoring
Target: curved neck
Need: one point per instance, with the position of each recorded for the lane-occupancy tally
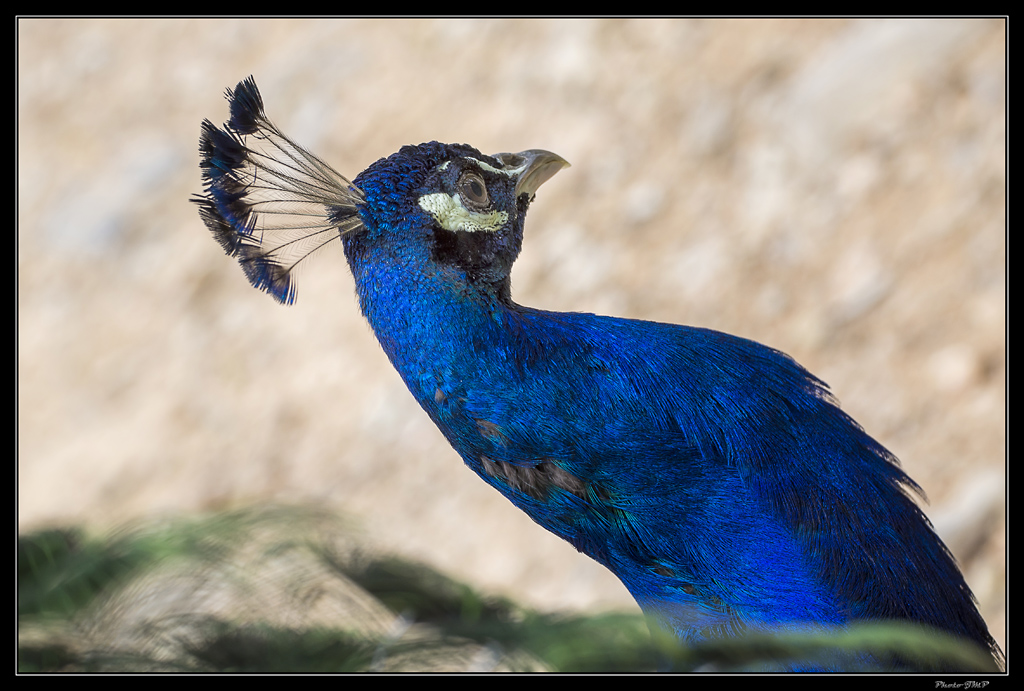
(430, 322)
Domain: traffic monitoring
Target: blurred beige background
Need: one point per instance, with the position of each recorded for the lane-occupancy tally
(835, 189)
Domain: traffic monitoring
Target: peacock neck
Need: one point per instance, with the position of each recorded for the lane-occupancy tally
(430, 321)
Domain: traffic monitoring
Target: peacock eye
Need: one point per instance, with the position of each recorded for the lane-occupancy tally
(473, 191)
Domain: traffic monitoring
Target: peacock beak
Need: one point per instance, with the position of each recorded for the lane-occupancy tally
(533, 166)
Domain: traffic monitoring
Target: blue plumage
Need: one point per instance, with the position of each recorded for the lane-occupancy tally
(713, 475)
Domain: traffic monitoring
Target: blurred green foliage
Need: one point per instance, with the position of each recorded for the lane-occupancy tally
(286, 589)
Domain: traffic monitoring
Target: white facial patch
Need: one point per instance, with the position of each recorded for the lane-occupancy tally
(450, 214)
